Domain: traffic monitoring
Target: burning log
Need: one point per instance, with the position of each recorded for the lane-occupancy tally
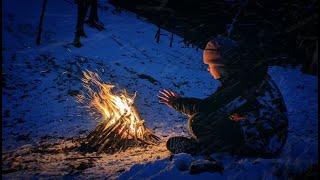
(121, 125)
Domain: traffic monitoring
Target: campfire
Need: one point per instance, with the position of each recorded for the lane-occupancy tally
(120, 126)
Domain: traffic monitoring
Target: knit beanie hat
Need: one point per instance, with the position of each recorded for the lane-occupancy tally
(223, 50)
(240, 62)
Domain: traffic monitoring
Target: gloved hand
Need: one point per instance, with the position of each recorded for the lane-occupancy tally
(167, 97)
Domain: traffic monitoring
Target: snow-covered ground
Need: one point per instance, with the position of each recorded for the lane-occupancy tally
(40, 84)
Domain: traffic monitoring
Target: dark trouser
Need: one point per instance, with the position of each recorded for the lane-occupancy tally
(83, 6)
(216, 134)
(94, 11)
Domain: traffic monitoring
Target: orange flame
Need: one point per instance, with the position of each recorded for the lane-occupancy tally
(113, 107)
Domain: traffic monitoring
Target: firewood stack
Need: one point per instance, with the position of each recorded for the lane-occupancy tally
(116, 138)
(121, 125)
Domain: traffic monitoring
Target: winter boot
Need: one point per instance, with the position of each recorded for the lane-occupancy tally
(76, 41)
(203, 165)
(95, 24)
(181, 144)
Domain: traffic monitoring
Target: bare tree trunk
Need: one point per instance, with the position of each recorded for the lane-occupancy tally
(41, 22)
(171, 40)
(157, 36)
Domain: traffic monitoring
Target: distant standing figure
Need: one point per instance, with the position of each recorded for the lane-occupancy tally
(92, 21)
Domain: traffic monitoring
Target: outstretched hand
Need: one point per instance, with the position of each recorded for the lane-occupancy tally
(167, 97)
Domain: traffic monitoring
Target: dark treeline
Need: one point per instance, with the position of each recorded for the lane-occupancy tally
(286, 30)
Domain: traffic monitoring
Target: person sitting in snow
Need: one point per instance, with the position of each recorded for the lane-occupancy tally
(246, 115)
(93, 20)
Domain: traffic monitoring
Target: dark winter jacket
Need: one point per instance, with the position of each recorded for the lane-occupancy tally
(265, 122)
(250, 93)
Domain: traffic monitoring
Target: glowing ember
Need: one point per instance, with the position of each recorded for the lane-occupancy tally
(121, 125)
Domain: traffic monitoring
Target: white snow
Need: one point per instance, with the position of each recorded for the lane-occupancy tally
(38, 81)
